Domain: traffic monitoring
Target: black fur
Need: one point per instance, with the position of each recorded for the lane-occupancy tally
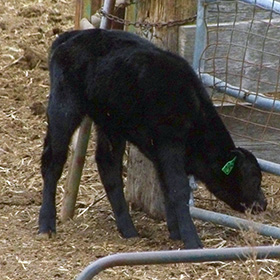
(152, 98)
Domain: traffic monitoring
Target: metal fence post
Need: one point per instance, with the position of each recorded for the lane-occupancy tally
(200, 36)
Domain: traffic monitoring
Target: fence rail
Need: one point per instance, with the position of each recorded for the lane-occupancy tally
(184, 256)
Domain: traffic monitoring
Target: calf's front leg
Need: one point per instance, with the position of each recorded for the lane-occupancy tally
(175, 184)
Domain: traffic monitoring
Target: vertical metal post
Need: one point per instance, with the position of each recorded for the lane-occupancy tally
(108, 8)
(200, 36)
(199, 46)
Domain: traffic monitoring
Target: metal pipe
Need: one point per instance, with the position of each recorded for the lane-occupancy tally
(259, 100)
(108, 8)
(270, 167)
(200, 37)
(234, 222)
(183, 256)
(269, 5)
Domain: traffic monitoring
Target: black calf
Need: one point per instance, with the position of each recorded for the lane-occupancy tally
(152, 98)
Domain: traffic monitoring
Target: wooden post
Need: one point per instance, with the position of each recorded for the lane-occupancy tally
(142, 185)
(83, 9)
(75, 171)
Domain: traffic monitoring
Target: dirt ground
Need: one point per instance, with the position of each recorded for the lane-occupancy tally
(27, 29)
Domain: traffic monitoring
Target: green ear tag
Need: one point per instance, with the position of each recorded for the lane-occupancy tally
(229, 166)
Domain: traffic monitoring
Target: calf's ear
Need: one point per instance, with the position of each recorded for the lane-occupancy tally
(243, 158)
(237, 153)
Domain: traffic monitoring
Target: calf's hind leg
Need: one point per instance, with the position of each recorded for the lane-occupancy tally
(62, 123)
(109, 155)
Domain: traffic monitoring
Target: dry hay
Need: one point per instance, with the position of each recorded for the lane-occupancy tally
(27, 29)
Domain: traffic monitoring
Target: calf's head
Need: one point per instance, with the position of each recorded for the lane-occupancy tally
(241, 182)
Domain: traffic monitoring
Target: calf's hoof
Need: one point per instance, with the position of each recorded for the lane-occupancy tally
(194, 244)
(175, 235)
(45, 236)
(47, 224)
(129, 233)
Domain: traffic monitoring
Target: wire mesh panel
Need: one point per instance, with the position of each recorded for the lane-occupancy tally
(243, 50)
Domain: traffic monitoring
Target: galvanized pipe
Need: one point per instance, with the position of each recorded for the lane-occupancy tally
(259, 100)
(270, 167)
(183, 256)
(108, 8)
(269, 5)
(234, 222)
(200, 37)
